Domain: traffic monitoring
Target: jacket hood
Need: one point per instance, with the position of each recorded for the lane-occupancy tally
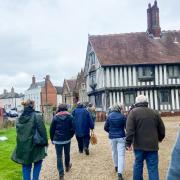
(80, 106)
(63, 114)
(26, 115)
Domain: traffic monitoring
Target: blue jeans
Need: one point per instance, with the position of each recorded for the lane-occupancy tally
(83, 142)
(151, 158)
(36, 170)
(59, 151)
(118, 153)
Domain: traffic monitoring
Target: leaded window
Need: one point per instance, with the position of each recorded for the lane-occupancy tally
(129, 98)
(146, 73)
(174, 71)
(164, 96)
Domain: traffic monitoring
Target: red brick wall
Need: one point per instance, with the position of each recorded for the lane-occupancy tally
(51, 94)
(100, 116)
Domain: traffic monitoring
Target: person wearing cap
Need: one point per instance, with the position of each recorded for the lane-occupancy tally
(83, 122)
(61, 132)
(115, 126)
(145, 129)
(26, 151)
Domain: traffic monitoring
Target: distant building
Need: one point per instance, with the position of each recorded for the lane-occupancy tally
(69, 94)
(119, 67)
(59, 94)
(43, 93)
(80, 88)
(11, 100)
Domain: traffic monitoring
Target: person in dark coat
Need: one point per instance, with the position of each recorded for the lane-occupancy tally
(115, 126)
(26, 152)
(145, 129)
(174, 167)
(82, 124)
(61, 132)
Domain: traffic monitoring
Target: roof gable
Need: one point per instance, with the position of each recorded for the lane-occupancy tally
(36, 85)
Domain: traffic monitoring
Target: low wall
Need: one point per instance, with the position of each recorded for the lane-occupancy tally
(101, 116)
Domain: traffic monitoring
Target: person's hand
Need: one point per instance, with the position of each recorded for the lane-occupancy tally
(129, 148)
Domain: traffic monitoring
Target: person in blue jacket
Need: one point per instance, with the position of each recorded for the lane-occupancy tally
(174, 167)
(115, 126)
(82, 125)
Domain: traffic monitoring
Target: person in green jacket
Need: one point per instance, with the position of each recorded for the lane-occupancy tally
(26, 151)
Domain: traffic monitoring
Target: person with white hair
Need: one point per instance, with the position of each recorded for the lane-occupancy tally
(115, 126)
(145, 129)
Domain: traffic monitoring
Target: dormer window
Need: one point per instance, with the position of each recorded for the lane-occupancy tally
(145, 73)
(174, 71)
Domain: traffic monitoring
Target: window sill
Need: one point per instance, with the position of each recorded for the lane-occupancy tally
(173, 77)
(164, 103)
(145, 78)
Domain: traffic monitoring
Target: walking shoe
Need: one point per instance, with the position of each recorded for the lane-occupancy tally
(80, 152)
(120, 177)
(116, 169)
(61, 177)
(69, 167)
(86, 151)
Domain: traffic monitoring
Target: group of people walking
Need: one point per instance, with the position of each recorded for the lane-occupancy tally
(31, 146)
(142, 128)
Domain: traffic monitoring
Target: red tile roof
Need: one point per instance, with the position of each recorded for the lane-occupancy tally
(136, 48)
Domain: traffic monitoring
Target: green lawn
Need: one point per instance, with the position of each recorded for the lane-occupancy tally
(8, 169)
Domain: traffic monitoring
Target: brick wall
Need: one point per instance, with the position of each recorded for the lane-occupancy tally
(51, 94)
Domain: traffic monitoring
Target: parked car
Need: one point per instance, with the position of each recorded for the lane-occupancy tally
(12, 113)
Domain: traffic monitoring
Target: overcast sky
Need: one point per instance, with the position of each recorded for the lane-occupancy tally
(39, 37)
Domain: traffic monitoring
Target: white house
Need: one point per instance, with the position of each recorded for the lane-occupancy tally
(59, 94)
(119, 67)
(34, 93)
(11, 100)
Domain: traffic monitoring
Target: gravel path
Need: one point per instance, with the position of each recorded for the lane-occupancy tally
(98, 165)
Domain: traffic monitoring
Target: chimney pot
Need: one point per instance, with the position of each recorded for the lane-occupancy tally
(33, 80)
(47, 77)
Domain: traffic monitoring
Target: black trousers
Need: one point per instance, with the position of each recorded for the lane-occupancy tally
(83, 142)
(59, 153)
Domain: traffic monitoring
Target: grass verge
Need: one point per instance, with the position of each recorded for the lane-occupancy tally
(10, 170)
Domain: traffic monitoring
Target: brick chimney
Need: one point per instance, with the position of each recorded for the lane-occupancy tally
(33, 80)
(153, 26)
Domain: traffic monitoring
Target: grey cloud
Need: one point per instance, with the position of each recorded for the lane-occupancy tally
(50, 37)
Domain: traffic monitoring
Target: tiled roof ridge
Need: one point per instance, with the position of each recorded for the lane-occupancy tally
(115, 34)
(127, 33)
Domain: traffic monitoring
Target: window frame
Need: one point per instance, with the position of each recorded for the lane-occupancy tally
(129, 94)
(92, 79)
(98, 98)
(173, 75)
(162, 102)
(144, 69)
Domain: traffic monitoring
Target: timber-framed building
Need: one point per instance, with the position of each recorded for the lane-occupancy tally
(119, 67)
